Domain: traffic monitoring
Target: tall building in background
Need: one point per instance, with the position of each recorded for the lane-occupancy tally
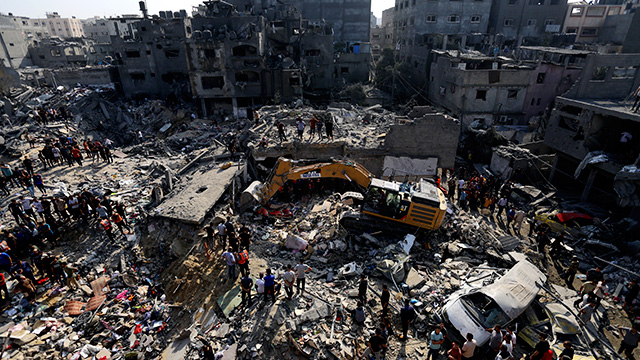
(17, 33)
(62, 27)
(519, 22)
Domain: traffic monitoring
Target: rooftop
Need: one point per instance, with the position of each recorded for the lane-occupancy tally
(557, 50)
(612, 107)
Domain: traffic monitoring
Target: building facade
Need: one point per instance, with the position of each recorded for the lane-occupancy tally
(586, 20)
(102, 29)
(592, 119)
(17, 34)
(479, 89)
(556, 70)
(517, 22)
(65, 28)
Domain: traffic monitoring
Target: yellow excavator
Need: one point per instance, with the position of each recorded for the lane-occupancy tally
(386, 203)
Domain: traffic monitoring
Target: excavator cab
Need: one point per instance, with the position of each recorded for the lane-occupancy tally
(385, 199)
(421, 205)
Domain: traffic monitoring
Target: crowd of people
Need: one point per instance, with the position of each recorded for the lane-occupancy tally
(41, 222)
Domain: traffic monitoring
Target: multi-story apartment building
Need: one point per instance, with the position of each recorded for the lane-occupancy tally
(102, 29)
(17, 33)
(585, 20)
(65, 28)
(517, 22)
(479, 88)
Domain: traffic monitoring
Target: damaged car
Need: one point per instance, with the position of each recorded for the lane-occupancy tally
(565, 222)
(475, 309)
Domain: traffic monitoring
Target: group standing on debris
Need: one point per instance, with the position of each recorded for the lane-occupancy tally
(315, 124)
(43, 221)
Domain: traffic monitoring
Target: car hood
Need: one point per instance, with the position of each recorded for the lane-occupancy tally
(461, 319)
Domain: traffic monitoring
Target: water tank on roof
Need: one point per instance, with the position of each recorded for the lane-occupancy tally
(176, 15)
(207, 34)
(197, 34)
(162, 14)
(183, 13)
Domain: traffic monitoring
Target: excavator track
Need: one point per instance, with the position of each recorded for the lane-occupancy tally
(358, 223)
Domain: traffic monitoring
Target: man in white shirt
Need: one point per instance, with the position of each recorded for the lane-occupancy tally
(301, 269)
(469, 347)
(222, 234)
(289, 278)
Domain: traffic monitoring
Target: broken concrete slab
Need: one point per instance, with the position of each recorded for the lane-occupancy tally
(199, 195)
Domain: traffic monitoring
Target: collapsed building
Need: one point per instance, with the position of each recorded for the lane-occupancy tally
(165, 298)
(593, 131)
(235, 61)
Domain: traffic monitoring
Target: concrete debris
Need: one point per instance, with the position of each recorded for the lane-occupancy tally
(164, 289)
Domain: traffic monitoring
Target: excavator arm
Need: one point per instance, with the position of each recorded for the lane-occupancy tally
(285, 170)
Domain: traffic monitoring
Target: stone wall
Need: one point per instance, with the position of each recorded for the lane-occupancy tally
(433, 135)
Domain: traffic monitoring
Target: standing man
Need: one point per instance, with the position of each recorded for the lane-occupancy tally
(630, 340)
(541, 348)
(106, 226)
(328, 125)
(495, 342)
(289, 278)
(231, 263)
(570, 274)
(245, 237)
(437, 339)
(632, 293)
(502, 204)
(281, 132)
(243, 262)
(320, 125)
(301, 270)
(259, 286)
(269, 286)
(246, 283)
(300, 125)
(222, 234)
(469, 347)
(587, 311)
(384, 300)
(312, 125)
(407, 314)
(362, 288)
(519, 217)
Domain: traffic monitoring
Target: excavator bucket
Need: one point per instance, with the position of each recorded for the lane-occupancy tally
(251, 195)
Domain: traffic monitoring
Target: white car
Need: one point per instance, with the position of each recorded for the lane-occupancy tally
(473, 310)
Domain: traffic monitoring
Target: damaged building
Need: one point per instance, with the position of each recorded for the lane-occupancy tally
(479, 89)
(595, 133)
(233, 62)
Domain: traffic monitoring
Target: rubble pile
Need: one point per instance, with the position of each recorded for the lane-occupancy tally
(161, 292)
(353, 125)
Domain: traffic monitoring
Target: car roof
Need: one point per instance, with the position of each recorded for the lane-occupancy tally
(517, 289)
